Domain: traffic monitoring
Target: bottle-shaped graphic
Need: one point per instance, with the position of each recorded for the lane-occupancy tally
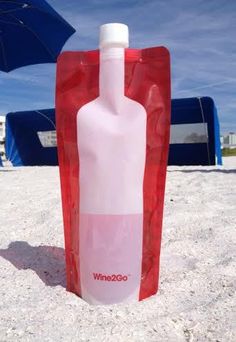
(111, 133)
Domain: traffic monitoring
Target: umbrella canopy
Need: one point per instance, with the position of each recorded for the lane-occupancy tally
(31, 32)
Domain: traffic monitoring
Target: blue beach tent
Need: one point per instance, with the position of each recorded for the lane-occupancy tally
(31, 138)
(195, 132)
(194, 140)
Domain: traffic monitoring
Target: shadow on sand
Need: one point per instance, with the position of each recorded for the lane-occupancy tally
(204, 171)
(46, 261)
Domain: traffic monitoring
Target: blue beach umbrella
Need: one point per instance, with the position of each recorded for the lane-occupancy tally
(31, 32)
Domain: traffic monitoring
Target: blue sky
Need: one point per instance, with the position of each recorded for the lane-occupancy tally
(201, 37)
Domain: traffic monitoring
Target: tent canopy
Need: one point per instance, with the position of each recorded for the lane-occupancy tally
(195, 133)
(31, 138)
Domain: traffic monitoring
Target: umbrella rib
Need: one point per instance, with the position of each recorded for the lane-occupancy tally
(30, 30)
(9, 23)
(12, 10)
(18, 22)
(3, 53)
(30, 6)
(42, 43)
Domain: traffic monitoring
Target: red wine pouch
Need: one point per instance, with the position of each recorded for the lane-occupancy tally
(113, 255)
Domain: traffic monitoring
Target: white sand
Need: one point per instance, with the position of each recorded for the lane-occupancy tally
(195, 300)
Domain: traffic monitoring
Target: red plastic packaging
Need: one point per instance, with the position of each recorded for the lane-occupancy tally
(147, 81)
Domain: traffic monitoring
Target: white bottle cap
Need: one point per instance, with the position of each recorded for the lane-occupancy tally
(114, 35)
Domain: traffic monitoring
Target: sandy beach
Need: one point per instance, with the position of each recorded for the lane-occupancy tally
(196, 298)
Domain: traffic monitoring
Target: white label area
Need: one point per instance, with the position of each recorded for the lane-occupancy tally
(111, 257)
(48, 138)
(189, 133)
